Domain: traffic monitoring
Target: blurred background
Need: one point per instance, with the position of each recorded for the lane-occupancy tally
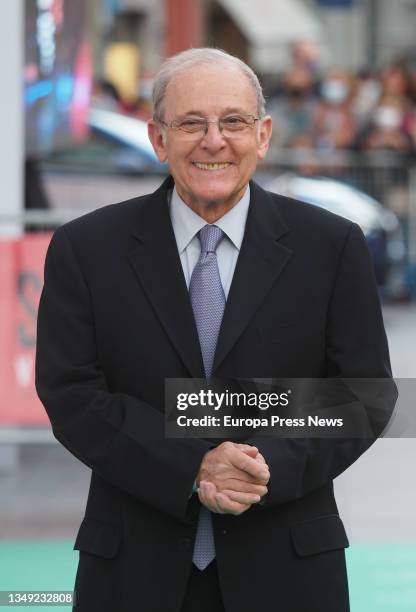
(340, 83)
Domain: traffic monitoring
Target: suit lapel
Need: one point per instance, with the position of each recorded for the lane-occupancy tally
(156, 262)
(259, 264)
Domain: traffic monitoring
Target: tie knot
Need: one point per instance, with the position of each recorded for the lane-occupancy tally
(210, 236)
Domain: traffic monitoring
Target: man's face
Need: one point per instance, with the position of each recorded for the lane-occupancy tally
(211, 170)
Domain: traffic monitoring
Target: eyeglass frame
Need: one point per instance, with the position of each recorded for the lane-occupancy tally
(171, 125)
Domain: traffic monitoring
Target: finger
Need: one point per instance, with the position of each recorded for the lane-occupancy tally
(237, 476)
(233, 473)
(247, 464)
(240, 486)
(203, 499)
(240, 497)
(220, 503)
(251, 451)
(228, 506)
(210, 491)
(259, 457)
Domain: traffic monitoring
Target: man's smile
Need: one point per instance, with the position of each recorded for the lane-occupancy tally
(211, 165)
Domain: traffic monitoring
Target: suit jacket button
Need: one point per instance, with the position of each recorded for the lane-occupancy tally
(184, 543)
(224, 531)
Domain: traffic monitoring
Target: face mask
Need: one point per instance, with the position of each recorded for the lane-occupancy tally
(388, 117)
(334, 91)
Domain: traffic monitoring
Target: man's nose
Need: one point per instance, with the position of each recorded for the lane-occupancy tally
(213, 138)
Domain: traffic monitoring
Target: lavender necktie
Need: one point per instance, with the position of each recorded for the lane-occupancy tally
(208, 301)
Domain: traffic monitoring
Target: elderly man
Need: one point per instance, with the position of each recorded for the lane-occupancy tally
(209, 275)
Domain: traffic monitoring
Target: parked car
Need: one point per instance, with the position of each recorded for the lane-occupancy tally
(380, 226)
(117, 144)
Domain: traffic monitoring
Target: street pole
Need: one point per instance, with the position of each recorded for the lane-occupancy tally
(12, 114)
(184, 21)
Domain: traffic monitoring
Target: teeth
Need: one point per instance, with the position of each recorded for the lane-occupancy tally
(202, 166)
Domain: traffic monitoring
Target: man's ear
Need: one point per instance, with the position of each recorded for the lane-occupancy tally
(264, 135)
(156, 137)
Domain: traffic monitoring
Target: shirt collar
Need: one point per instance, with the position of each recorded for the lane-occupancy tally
(186, 223)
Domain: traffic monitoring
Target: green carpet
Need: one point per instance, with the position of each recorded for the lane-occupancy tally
(38, 565)
(382, 577)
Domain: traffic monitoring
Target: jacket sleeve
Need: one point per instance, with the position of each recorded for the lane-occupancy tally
(118, 436)
(356, 348)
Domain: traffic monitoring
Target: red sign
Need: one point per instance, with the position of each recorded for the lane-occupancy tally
(21, 281)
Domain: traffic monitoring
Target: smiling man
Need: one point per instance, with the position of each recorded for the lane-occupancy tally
(215, 141)
(209, 275)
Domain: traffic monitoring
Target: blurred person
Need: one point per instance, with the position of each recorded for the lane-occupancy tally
(333, 122)
(412, 82)
(367, 92)
(389, 129)
(411, 129)
(292, 112)
(395, 83)
(105, 95)
(143, 109)
(391, 121)
(307, 160)
(144, 104)
(397, 89)
(209, 275)
(304, 59)
(306, 56)
(35, 194)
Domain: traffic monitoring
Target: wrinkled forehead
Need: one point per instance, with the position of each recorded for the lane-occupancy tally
(210, 89)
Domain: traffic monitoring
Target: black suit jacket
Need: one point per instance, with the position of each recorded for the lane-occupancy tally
(115, 320)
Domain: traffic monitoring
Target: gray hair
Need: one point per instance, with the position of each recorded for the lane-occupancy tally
(194, 57)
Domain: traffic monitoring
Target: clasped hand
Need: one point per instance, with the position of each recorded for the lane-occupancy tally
(231, 478)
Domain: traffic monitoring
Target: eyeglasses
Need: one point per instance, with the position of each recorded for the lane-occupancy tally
(230, 126)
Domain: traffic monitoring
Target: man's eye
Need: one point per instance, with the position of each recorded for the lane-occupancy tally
(192, 124)
(234, 121)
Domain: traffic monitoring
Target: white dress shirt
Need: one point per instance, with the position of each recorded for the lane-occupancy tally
(186, 225)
